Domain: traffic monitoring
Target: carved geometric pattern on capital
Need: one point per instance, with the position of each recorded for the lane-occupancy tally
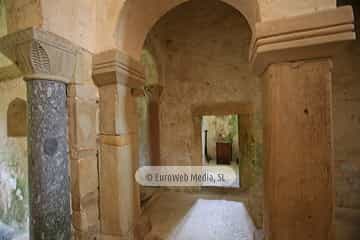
(316, 35)
(114, 67)
(41, 53)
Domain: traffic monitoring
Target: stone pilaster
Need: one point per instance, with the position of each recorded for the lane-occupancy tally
(154, 93)
(294, 57)
(118, 78)
(48, 63)
(83, 112)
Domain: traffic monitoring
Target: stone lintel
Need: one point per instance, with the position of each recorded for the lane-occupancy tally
(317, 35)
(220, 109)
(114, 67)
(40, 55)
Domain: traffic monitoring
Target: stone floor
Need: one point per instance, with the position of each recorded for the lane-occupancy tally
(172, 214)
(194, 216)
(188, 216)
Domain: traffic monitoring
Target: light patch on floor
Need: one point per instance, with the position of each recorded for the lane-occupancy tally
(199, 216)
(215, 219)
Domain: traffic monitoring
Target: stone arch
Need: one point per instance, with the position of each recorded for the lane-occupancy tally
(137, 17)
(16, 118)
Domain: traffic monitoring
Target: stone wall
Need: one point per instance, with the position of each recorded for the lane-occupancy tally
(143, 133)
(251, 150)
(22, 14)
(14, 209)
(83, 110)
(346, 115)
(144, 138)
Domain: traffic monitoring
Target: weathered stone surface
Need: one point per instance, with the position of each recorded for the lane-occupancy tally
(115, 237)
(130, 32)
(73, 20)
(82, 124)
(149, 126)
(79, 220)
(318, 35)
(9, 72)
(286, 8)
(142, 228)
(48, 160)
(153, 236)
(154, 92)
(117, 110)
(256, 203)
(83, 71)
(89, 232)
(83, 91)
(346, 115)
(117, 76)
(85, 195)
(79, 235)
(16, 118)
(298, 167)
(112, 67)
(84, 182)
(91, 208)
(30, 14)
(117, 185)
(142, 105)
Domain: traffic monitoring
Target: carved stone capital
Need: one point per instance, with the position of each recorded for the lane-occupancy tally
(114, 67)
(316, 35)
(154, 92)
(40, 54)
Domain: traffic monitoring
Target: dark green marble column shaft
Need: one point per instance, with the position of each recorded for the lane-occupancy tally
(48, 161)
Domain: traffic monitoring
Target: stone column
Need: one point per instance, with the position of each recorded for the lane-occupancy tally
(294, 58)
(119, 78)
(48, 62)
(154, 92)
(48, 160)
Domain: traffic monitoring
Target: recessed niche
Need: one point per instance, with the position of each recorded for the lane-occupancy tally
(16, 118)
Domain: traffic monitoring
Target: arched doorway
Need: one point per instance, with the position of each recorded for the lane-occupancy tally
(119, 77)
(202, 53)
(138, 17)
(203, 58)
